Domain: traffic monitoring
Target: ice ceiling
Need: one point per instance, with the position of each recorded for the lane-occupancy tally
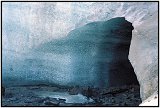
(28, 25)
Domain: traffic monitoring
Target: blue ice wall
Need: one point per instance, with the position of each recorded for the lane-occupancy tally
(50, 43)
(95, 54)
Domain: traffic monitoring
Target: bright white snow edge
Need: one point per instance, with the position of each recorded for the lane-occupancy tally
(151, 101)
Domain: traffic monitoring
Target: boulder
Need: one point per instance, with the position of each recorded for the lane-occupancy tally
(74, 91)
(51, 101)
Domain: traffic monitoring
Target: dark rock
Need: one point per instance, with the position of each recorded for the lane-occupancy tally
(128, 97)
(98, 101)
(113, 101)
(132, 90)
(61, 100)
(115, 90)
(118, 99)
(74, 91)
(39, 100)
(52, 103)
(107, 104)
(123, 104)
(88, 92)
(65, 104)
(117, 104)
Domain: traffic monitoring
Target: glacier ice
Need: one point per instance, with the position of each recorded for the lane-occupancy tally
(28, 26)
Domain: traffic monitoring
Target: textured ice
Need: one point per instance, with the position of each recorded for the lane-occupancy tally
(27, 26)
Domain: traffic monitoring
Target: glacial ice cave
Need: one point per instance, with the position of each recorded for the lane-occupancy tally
(79, 54)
